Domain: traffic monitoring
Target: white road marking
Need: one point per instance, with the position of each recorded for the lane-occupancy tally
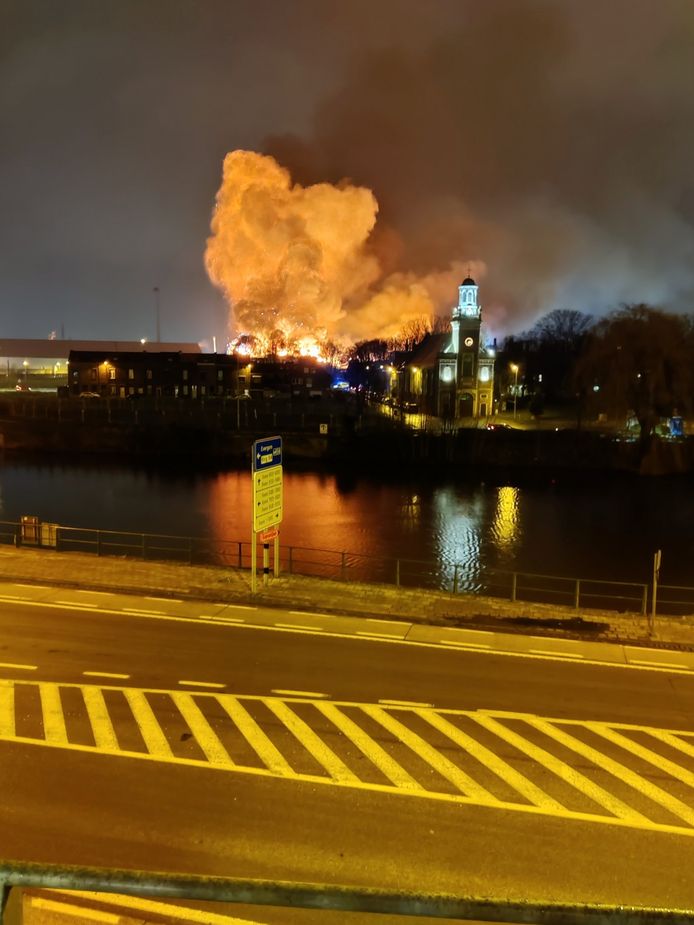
(570, 642)
(164, 600)
(86, 605)
(286, 693)
(643, 661)
(221, 619)
(98, 593)
(147, 613)
(18, 584)
(405, 703)
(308, 613)
(462, 644)
(298, 626)
(238, 606)
(556, 653)
(203, 684)
(377, 635)
(368, 637)
(12, 597)
(22, 667)
(377, 620)
(106, 674)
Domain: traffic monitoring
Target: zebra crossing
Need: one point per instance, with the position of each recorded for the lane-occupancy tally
(615, 773)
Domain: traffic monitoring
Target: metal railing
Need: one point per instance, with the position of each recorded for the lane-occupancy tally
(324, 896)
(338, 565)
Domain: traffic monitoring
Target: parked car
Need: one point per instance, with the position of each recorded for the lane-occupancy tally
(89, 395)
(22, 387)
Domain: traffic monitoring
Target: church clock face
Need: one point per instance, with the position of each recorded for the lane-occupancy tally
(469, 342)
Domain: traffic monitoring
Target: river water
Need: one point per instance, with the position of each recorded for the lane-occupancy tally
(596, 527)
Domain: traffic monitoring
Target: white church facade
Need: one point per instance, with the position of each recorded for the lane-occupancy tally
(451, 375)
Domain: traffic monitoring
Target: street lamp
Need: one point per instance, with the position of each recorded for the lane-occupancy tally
(514, 370)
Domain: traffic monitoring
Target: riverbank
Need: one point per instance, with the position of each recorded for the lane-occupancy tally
(209, 583)
(322, 435)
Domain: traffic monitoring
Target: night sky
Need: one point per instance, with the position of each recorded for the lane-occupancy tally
(550, 144)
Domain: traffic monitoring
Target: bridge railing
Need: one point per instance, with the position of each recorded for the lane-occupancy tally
(288, 894)
(341, 565)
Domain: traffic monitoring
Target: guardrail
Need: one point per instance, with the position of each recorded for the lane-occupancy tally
(324, 896)
(455, 578)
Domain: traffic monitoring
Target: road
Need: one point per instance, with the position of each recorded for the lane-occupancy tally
(158, 733)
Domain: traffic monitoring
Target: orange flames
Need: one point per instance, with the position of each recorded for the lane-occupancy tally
(294, 264)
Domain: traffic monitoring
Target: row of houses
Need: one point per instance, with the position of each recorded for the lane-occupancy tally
(448, 375)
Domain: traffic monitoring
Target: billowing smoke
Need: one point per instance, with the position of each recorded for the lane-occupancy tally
(551, 139)
(297, 263)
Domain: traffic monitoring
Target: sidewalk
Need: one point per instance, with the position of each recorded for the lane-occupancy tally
(296, 592)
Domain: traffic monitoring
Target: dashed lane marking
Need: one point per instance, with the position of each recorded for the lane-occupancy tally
(19, 667)
(555, 653)
(86, 605)
(287, 693)
(463, 644)
(96, 593)
(106, 674)
(204, 684)
(308, 613)
(139, 611)
(643, 661)
(377, 635)
(221, 619)
(238, 606)
(404, 703)
(18, 584)
(164, 600)
(297, 626)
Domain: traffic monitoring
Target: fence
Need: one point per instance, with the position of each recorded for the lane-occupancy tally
(287, 894)
(456, 578)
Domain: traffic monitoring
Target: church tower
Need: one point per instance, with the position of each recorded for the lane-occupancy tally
(475, 368)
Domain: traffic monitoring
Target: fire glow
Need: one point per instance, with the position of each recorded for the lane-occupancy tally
(297, 269)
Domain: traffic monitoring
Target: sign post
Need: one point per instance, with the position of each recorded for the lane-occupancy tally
(266, 472)
(656, 576)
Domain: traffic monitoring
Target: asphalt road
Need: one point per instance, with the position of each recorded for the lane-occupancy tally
(74, 803)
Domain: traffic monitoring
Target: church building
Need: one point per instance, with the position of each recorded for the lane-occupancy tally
(451, 375)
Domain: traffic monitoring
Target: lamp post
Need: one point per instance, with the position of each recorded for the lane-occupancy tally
(514, 370)
(156, 306)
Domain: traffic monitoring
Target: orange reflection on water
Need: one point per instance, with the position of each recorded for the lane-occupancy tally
(505, 523)
(316, 513)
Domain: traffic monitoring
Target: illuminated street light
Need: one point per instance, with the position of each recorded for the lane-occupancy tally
(514, 370)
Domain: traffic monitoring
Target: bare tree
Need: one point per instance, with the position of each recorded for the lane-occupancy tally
(640, 359)
(564, 327)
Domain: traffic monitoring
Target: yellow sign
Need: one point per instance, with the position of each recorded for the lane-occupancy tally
(267, 498)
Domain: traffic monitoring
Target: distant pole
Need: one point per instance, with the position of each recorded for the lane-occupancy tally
(656, 575)
(156, 306)
(514, 370)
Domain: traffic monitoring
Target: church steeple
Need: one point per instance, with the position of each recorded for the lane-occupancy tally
(467, 306)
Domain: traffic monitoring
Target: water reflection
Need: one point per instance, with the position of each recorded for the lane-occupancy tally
(505, 524)
(481, 528)
(458, 537)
